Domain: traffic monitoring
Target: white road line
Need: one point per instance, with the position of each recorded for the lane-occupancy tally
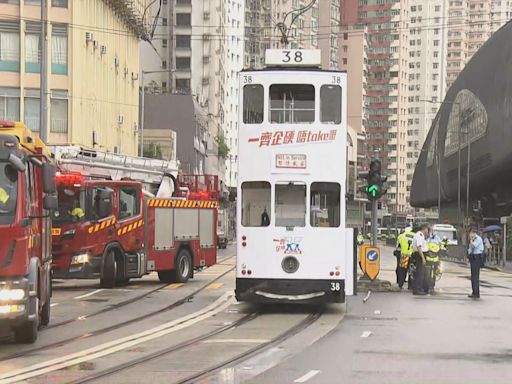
(105, 349)
(377, 312)
(366, 334)
(307, 376)
(88, 294)
(54, 304)
(243, 341)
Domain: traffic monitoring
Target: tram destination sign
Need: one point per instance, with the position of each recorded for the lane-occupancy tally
(291, 161)
(293, 57)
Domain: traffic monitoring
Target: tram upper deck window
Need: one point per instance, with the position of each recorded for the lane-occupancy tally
(291, 205)
(256, 204)
(292, 103)
(330, 104)
(253, 104)
(325, 205)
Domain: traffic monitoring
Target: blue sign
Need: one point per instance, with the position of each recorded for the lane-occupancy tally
(372, 255)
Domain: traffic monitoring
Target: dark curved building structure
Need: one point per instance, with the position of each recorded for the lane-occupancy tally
(477, 110)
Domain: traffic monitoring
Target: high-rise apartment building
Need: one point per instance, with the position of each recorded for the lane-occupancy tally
(197, 49)
(387, 92)
(92, 71)
(470, 24)
(317, 28)
(426, 74)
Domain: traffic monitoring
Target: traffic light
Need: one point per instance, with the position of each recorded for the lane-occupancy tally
(375, 188)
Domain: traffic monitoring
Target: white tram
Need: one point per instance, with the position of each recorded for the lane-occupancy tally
(293, 244)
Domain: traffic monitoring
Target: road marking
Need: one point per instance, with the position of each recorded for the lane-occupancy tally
(366, 334)
(54, 304)
(235, 341)
(117, 345)
(376, 312)
(87, 294)
(215, 286)
(307, 376)
(175, 286)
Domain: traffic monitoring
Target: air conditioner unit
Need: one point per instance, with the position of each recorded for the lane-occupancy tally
(95, 44)
(120, 119)
(135, 76)
(103, 50)
(126, 72)
(89, 36)
(116, 61)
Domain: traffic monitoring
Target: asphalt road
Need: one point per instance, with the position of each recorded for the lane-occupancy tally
(398, 338)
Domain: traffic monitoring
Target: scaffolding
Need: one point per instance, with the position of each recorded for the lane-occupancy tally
(136, 14)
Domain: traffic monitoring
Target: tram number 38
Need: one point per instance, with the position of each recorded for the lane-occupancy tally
(335, 287)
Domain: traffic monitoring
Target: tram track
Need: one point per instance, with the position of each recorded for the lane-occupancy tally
(302, 325)
(118, 325)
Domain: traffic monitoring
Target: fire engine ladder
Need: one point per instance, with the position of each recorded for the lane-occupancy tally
(107, 165)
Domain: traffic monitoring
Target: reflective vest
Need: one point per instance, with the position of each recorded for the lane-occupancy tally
(360, 238)
(405, 243)
(433, 252)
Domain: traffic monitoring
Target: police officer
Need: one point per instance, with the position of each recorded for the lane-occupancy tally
(404, 245)
(419, 247)
(475, 250)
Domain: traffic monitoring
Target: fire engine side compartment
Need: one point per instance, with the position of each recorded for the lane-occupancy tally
(176, 224)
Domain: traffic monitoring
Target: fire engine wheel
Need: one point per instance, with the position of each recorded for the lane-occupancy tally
(109, 270)
(26, 333)
(183, 266)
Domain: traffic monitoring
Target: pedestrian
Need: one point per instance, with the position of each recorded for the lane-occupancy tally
(419, 247)
(404, 245)
(475, 250)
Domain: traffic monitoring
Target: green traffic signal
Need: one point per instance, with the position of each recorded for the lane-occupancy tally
(373, 190)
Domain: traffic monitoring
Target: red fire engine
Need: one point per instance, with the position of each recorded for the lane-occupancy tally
(27, 185)
(115, 230)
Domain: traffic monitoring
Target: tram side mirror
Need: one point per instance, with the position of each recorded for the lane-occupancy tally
(50, 203)
(17, 163)
(49, 185)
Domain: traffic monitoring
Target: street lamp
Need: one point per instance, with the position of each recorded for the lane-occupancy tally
(142, 104)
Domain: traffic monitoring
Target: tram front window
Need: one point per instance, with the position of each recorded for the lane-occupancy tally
(330, 104)
(291, 205)
(325, 205)
(256, 204)
(292, 103)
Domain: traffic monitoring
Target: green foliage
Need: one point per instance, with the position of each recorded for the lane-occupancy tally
(224, 149)
(153, 150)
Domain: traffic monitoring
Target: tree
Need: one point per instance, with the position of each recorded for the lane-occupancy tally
(153, 150)
(224, 149)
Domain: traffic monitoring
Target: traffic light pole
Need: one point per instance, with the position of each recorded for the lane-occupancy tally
(374, 223)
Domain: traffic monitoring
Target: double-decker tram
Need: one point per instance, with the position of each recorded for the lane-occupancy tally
(293, 244)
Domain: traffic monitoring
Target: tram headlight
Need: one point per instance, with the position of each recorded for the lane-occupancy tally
(8, 294)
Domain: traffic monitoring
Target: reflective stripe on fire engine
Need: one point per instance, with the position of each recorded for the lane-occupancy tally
(104, 224)
(181, 203)
(128, 228)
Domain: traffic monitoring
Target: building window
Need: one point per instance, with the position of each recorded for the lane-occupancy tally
(164, 64)
(32, 48)
(183, 41)
(59, 50)
(59, 112)
(183, 63)
(32, 109)
(32, 2)
(183, 19)
(183, 85)
(164, 21)
(9, 46)
(60, 3)
(9, 1)
(10, 104)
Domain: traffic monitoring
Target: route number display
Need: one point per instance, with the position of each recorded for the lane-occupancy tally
(293, 57)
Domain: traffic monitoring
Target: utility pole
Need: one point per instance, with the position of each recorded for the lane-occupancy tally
(43, 75)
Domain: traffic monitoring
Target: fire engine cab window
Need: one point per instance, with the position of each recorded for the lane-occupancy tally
(256, 204)
(101, 199)
(128, 203)
(253, 104)
(71, 204)
(291, 205)
(8, 192)
(292, 103)
(330, 104)
(325, 205)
